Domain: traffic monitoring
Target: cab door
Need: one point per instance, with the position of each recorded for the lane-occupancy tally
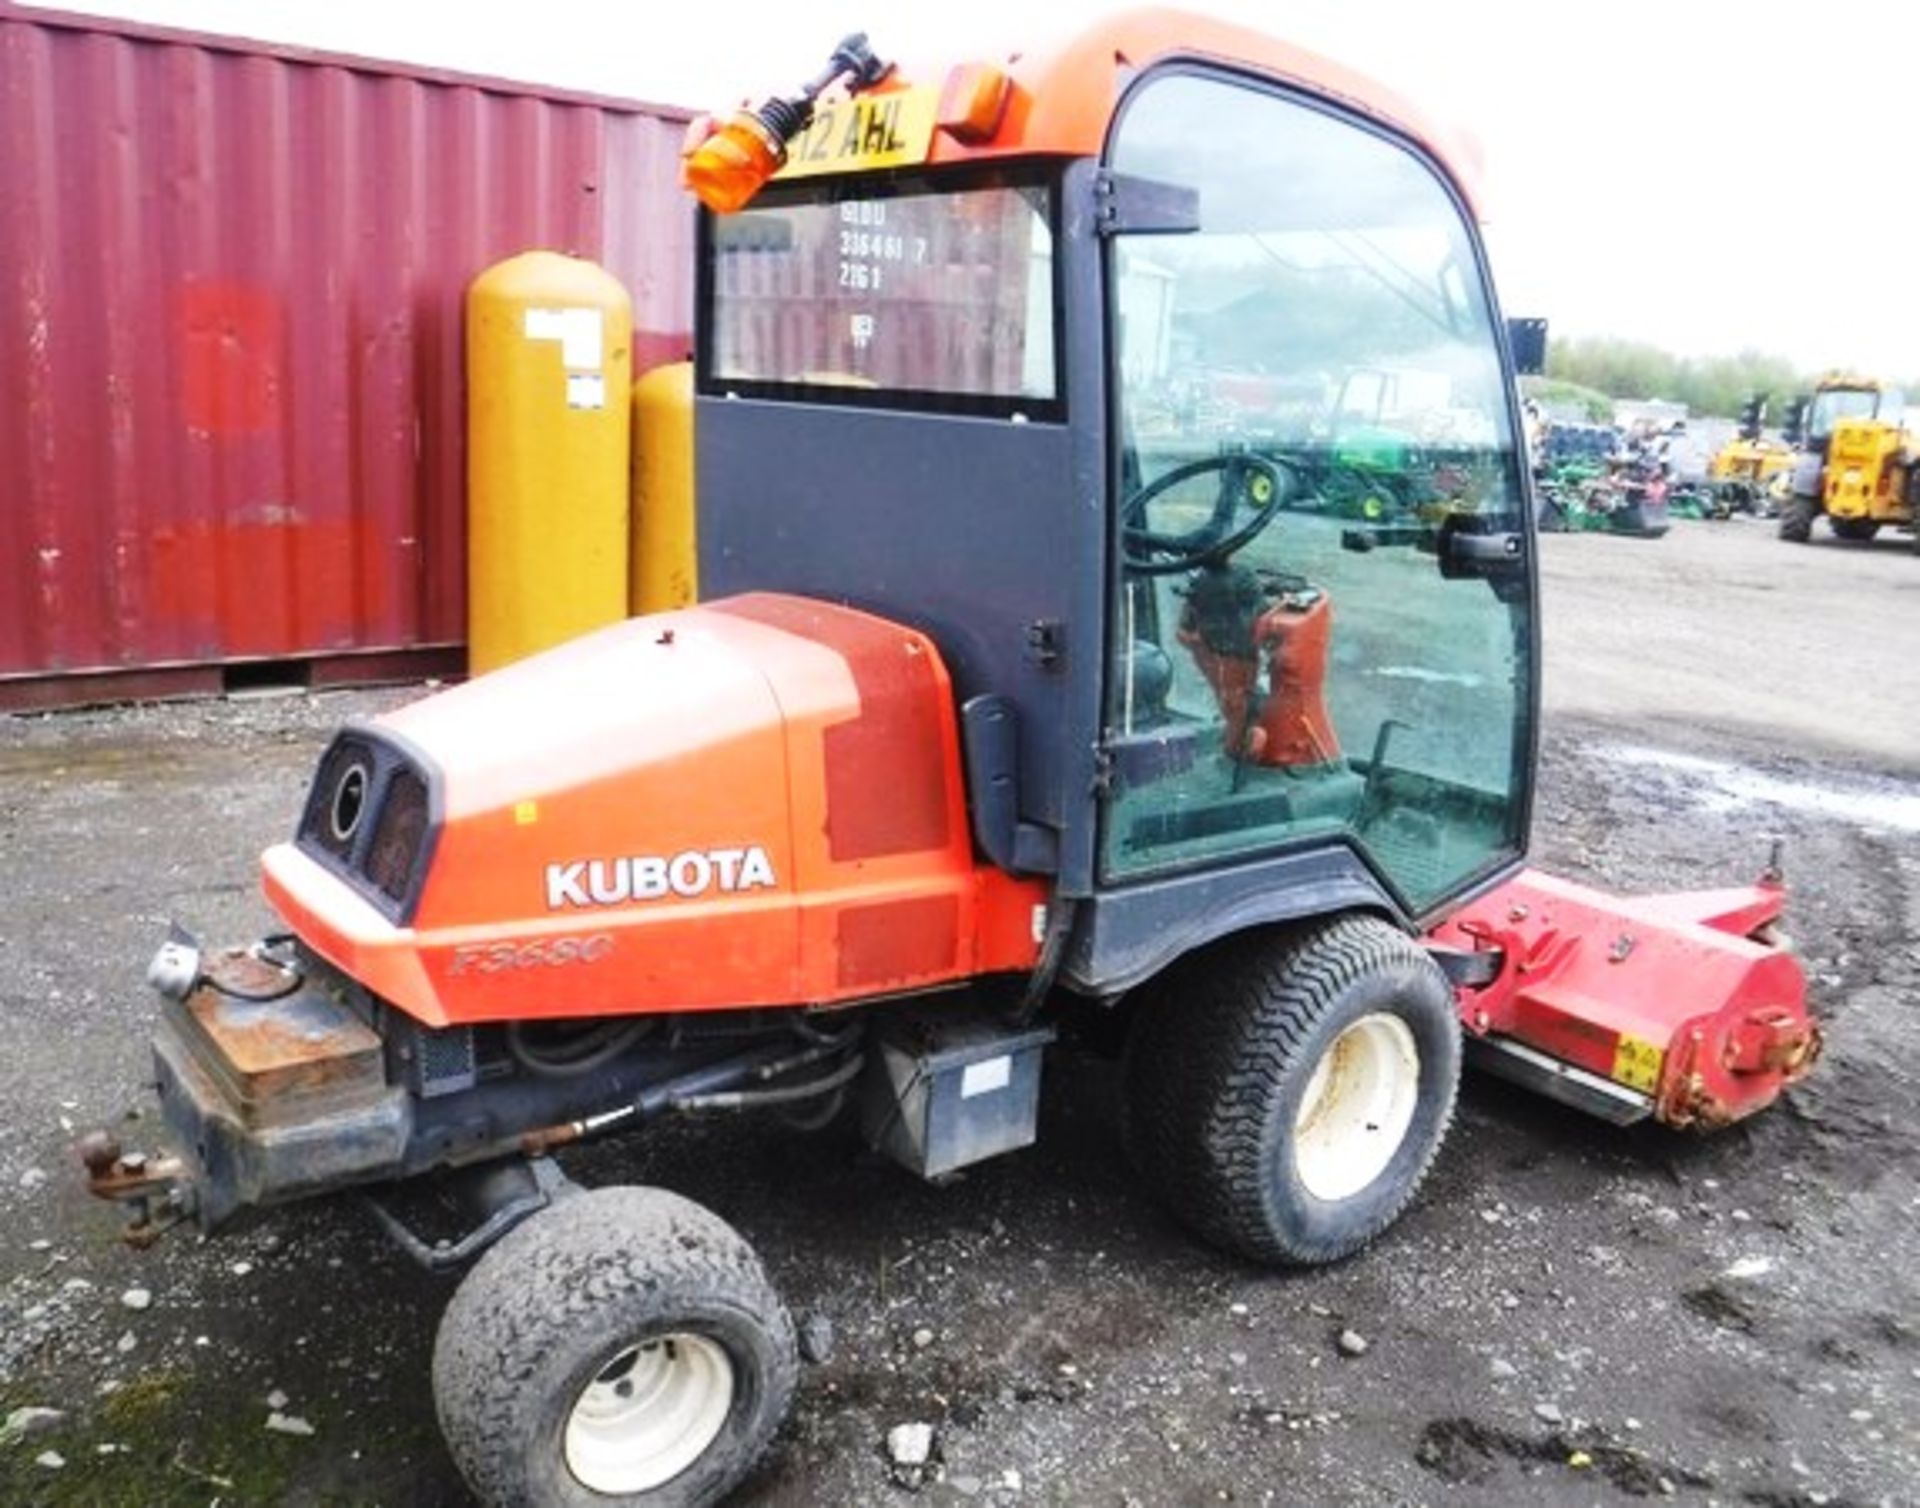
(1322, 628)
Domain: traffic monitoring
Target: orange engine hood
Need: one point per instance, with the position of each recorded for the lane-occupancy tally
(756, 801)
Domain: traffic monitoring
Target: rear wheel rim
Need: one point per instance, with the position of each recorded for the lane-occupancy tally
(649, 1414)
(1358, 1107)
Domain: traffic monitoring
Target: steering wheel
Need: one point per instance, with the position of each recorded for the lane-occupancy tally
(1258, 482)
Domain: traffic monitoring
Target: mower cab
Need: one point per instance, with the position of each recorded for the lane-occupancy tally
(1118, 583)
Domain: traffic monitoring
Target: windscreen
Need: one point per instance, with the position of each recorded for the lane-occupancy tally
(895, 290)
(1833, 404)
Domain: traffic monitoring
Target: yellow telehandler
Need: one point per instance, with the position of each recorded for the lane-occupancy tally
(1859, 463)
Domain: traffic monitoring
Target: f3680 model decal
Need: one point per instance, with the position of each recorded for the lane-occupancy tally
(650, 877)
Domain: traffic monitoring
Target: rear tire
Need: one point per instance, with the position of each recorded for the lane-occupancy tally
(1797, 514)
(1286, 1094)
(1854, 528)
(621, 1347)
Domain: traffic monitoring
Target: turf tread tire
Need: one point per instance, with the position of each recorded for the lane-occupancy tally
(549, 1304)
(1219, 1040)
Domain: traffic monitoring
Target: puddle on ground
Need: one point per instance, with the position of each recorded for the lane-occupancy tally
(1731, 786)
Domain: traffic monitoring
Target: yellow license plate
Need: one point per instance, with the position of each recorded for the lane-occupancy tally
(867, 131)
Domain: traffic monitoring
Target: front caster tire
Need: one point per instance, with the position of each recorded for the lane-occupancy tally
(1286, 1093)
(622, 1347)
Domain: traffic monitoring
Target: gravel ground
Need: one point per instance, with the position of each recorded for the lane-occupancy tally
(1570, 1313)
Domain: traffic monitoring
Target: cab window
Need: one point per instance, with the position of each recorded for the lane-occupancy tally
(919, 290)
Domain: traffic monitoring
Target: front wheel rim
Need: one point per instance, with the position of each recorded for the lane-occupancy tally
(1358, 1107)
(649, 1414)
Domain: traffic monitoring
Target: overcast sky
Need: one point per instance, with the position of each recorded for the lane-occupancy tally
(1704, 174)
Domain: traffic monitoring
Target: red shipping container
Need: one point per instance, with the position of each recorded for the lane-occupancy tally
(231, 388)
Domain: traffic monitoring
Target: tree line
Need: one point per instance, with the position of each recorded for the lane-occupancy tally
(1706, 384)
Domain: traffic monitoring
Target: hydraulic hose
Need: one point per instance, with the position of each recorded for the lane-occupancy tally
(594, 1047)
(1053, 948)
(786, 1094)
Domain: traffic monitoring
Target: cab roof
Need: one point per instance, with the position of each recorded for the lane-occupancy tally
(1064, 96)
(1849, 382)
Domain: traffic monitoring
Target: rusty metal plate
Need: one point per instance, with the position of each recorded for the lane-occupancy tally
(268, 1054)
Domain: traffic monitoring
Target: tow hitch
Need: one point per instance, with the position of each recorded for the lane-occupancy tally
(268, 1085)
(156, 1191)
(1688, 1007)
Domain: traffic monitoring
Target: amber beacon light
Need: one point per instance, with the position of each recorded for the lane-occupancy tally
(973, 101)
(726, 163)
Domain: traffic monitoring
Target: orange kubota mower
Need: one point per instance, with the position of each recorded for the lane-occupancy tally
(1042, 658)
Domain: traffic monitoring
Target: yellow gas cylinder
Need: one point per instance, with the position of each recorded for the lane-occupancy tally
(664, 572)
(549, 360)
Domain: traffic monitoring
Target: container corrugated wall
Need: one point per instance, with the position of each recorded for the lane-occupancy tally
(231, 387)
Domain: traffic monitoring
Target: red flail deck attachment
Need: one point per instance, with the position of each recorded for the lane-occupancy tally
(1688, 1007)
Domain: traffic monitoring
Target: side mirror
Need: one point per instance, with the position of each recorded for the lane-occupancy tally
(1527, 340)
(1489, 547)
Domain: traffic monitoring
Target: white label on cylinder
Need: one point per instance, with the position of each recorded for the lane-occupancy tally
(986, 1076)
(577, 330)
(586, 390)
